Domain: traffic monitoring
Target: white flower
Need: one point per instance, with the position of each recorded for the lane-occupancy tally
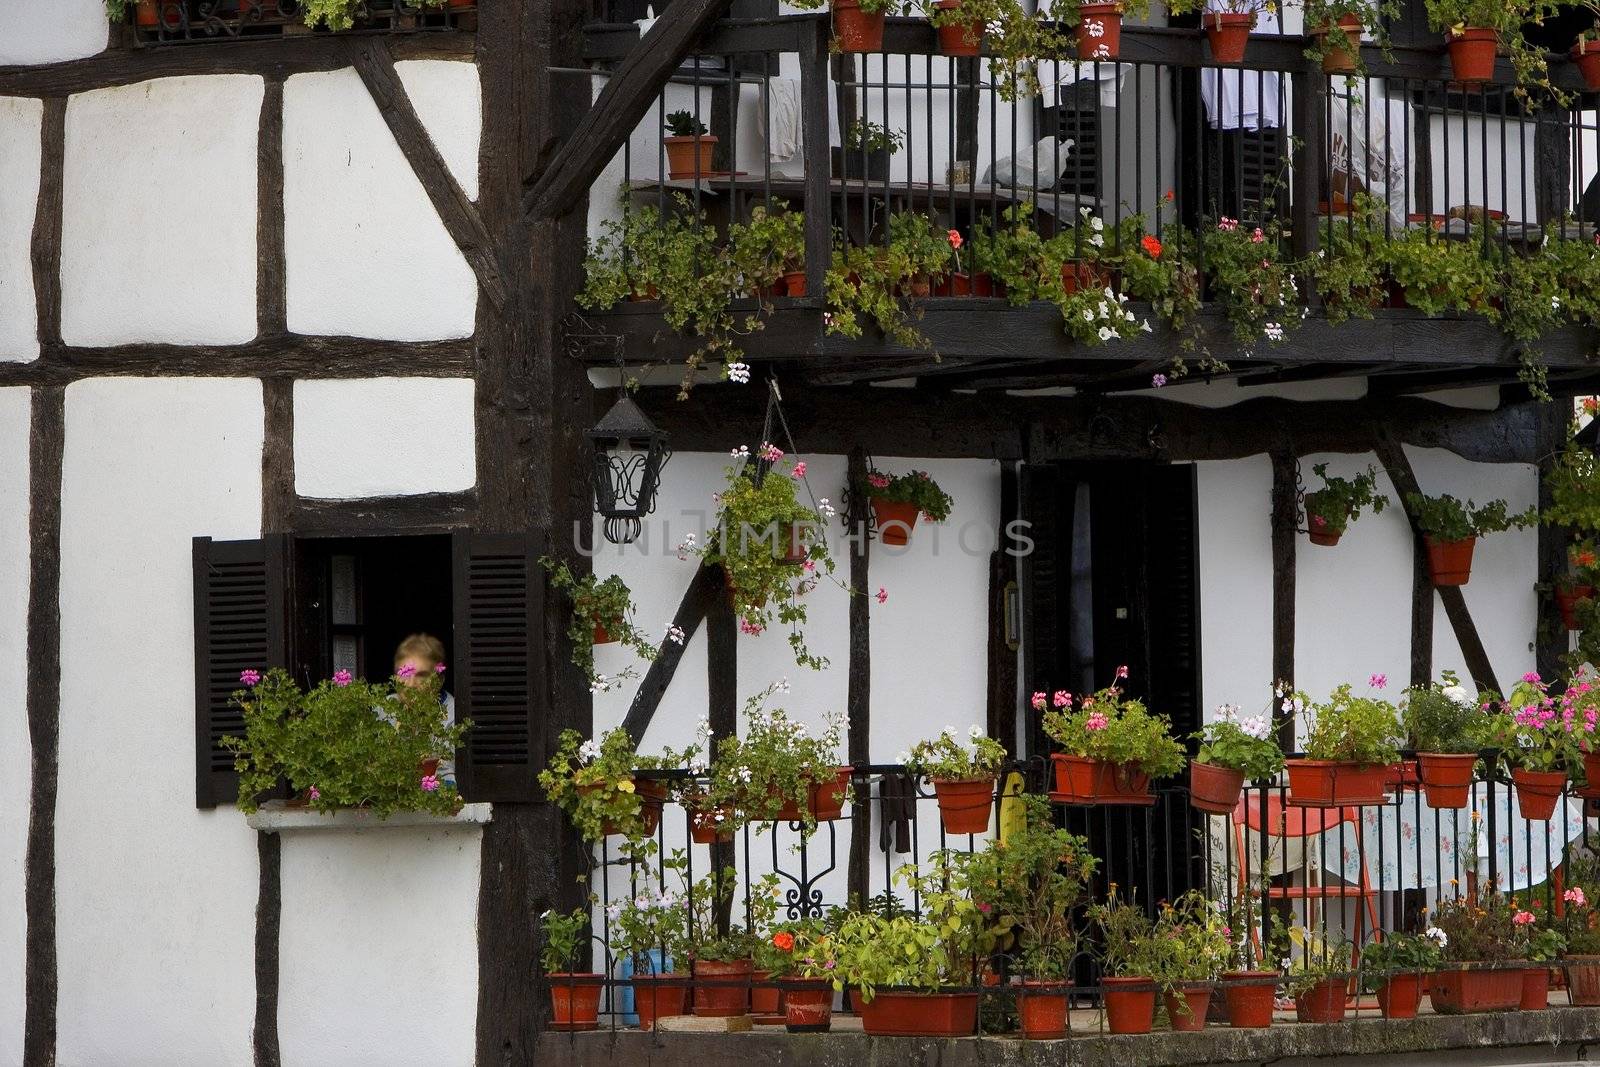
(1088, 315)
(825, 509)
(1273, 331)
(902, 757)
(739, 373)
(1458, 695)
(1096, 241)
(1097, 223)
(1436, 935)
(948, 731)
(588, 752)
(1106, 333)
(974, 731)
(742, 452)
(1288, 704)
(1145, 326)
(781, 686)
(744, 774)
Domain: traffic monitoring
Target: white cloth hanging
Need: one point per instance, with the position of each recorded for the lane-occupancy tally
(1111, 76)
(1242, 99)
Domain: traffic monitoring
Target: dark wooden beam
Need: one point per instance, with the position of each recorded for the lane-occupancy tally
(278, 502)
(291, 54)
(699, 600)
(1285, 540)
(384, 515)
(628, 94)
(858, 694)
(269, 912)
(272, 300)
(1550, 643)
(1421, 615)
(46, 247)
(375, 63)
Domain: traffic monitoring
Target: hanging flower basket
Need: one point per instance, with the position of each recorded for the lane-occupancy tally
(1250, 998)
(826, 800)
(1129, 1010)
(1535, 989)
(1450, 562)
(895, 519)
(1537, 792)
(730, 995)
(1331, 783)
(1229, 33)
(1567, 597)
(1187, 1010)
(855, 29)
(894, 1013)
(959, 38)
(1322, 1003)
(1042, 1008)
(1583, 980)
(1080, 780)
(1468, 990)
(602, 636)
(1214, 790)
(807, 1005)
(1472, 53)
(575, 1001)
(1446, 777)
(1099, 31)
(1586, 54)
(657, 996)
(964, 805)
(1340, 59)
(1399, 996)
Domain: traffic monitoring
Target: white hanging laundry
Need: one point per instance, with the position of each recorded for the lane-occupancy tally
(1242, 99)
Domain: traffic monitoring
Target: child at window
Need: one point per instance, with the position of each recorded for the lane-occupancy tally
(418, 657)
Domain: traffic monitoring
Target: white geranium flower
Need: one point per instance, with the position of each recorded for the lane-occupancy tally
(588, 752)
(974, 731)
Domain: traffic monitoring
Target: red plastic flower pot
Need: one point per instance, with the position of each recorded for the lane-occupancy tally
(826, 799)
(765, 996)
(959, 38)
(574, 1000)
(1583, 980)
(1472, 53)
(956, 283)
(1333, 784)
(1567, 598)
(722, 989)
(1214, 790)
(705, 829)
(1399, 996)
(1450, 562)
(1099, 31)
(900, 1014)
(1537, 792)
(1586, 54)
(1446, 777)
(1250, 998)
(1080, 780)
(1463, 991)
(1129, 1011)
(1535, 989)
(657, 996)
(1187, 1010)
(894, 519)
(1340, 59)
(1229, 33)
(1042, 1008)
(964, 804)
(689, 157)
(1322, 1003)
(807, 1005)
(857, 30)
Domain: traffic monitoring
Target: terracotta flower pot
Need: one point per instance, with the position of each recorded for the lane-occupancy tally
(807, 1005)
(958, 39)
(1450, 562)
(147, 14)
(1472, 53)
(1535, 989)
(1399, 996)
(1080, 780)
(856, 30)
(826, 801)
(1537, 792)
(919, 287)
(901, 1014)
(1322, 1003)
(1187, 1010)
(1077, 277)
(1249, 1005)
(964, 804)
(1446, 777)
(575, 1000)
(705, 829)
(764, 994)
(956, 283)
(689, 157)
(1462, 991)
(1583, 980)
(1099, 31)
(794, 283)
(1586, 54)
(1129, 1011)
(1214, 790)
(1340, 59)
(1567, 598)
(1591, 770)
(602, 636)
(730, 995)
(651, 793)
(894, 519)
(984, 284)
(657, 996)
(1318, 528)
(1333, 784)
(1042, 1008)
(1229, 33)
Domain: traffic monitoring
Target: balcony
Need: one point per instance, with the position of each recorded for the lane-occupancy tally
(1356, 190)
(165, 22)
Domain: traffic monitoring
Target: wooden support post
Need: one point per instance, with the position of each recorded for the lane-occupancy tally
(722, 699)
(1421, 615)
(1550, 643)
(858, 697)
(704, 594)
(1285, 537)
(1308, 91)
(272, 309)
(814, 76)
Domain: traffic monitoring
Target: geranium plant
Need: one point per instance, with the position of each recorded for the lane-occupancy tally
(564, 935)
(1190, 943)
(1109, 728)
(1319, 960)
(1537, 731)
(1574, 485)
(1445, 518)
(593, 782)
(1478, 928)
(914, 487)
(1443, 717)
(1246, 744)
(346, 742)
(1127, 937)
(774, 762)
(769, 245)
(1398, 953)
(950, 758)
(1351, 729)
(1331, 509)
(710, 936)
(1249, 278)
(655, 918)
(600, 607)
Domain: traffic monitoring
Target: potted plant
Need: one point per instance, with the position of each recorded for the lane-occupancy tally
(346, 743)
(960, 24)
(1250, 986)
(1394, 969)
(898, 499)
(602, 613)
(1098, 33)
(1331, 509)
(1250, 278)
(805, 960)
(963, 775)
(724, 952)
(1479, 942)
(1232, 750)
(777, 770)
(1578, 584)
(770, 249)
(868, 148)
(1541, 944)
(688, 146)
(594, 783)
(650, 928)
(1475, 30)
(1191, 948)
(1349, 746)
(1445, 727)
(574, 994)
(1581, 961)
(1113, 747)
(1451, 529)
(1129, 964)
(857, 24)
(1585, 50)
(1336, 26)
(1227, 29)
(1542, 738)
(1319, 976)
(914, 241)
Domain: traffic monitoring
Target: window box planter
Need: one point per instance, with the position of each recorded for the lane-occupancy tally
(1450, 562)
(1399, 997)
(1214, 790)
(575, 1001)
(1080, 780)
(1322, 1003)
(1466, 989)
(964, 805)
(722, 988)
(1187, 1010)
(1333, 784)
(826, 800)
(807, 1005)
(1130, 1004)
(1446, 778)
(658, 996)
(1401, 774)
(1042, 1009)
(1535, 989)
(276, 816)
(1250, 998)
(1583, 980)
(900, 1013)
(1537, 792)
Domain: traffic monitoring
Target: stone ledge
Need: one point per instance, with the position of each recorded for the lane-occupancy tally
(1375, 1038)
(274, 817)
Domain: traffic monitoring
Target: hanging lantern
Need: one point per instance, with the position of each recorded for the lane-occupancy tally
(629, 452)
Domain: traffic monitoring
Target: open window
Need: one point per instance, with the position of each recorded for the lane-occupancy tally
(316, 605)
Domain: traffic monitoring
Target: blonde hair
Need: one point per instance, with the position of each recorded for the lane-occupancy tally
(420, 646)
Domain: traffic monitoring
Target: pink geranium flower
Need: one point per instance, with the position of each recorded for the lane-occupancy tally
(341, 678)
(406, 670)
(882, 595)
(249, 677)
(1039, 702)
(1062, 698)
(430, 783)
(1096, 722)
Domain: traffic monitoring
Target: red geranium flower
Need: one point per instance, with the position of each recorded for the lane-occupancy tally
(1151, 246)
(783, 940)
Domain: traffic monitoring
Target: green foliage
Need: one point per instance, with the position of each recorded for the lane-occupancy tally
(947, 758)
(1398, 953)
(915, 240)
(1443, 717)
(1351, 729)
(771, 244)
(913, 487)
(358, 744)
(1374, 16)
(1246, 745)
(1540, 732)
(655, 916)
(1349, 268)
(564, 936)
(1319, 959)
(1190, 942)
(594, 783)
(1444, 518)
(1339, 502)
(864, 283)
(1127, 937)
(1108, 728)
(1477, 929)
(605, 603)
(1507, 18)
(774, 762)
(684, 124)
(1440, 275)
(1251, 280)
(1574, 485)
(711, 899)
(862, 135)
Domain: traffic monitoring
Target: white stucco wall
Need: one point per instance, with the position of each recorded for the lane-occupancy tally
(48, 31)
(379, 962)
(1235, 512)
(156, 900)
(365, 251)
(158, 238)
(19, 176)
(383, 436)
(14, 415)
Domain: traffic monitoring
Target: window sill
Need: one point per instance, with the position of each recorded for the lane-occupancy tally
(273, 817)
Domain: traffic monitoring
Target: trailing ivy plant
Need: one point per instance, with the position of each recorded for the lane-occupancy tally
(1340, 501)
(1374, 16)
(771, 244)
(1444, 518)
(864, 284)
(1440, 275)
(1348, 270)
(598, 604)
(1574, 485)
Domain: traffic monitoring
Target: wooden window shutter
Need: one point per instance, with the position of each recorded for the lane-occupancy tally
(1173, 606)
(499, 682)
(240, 623)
